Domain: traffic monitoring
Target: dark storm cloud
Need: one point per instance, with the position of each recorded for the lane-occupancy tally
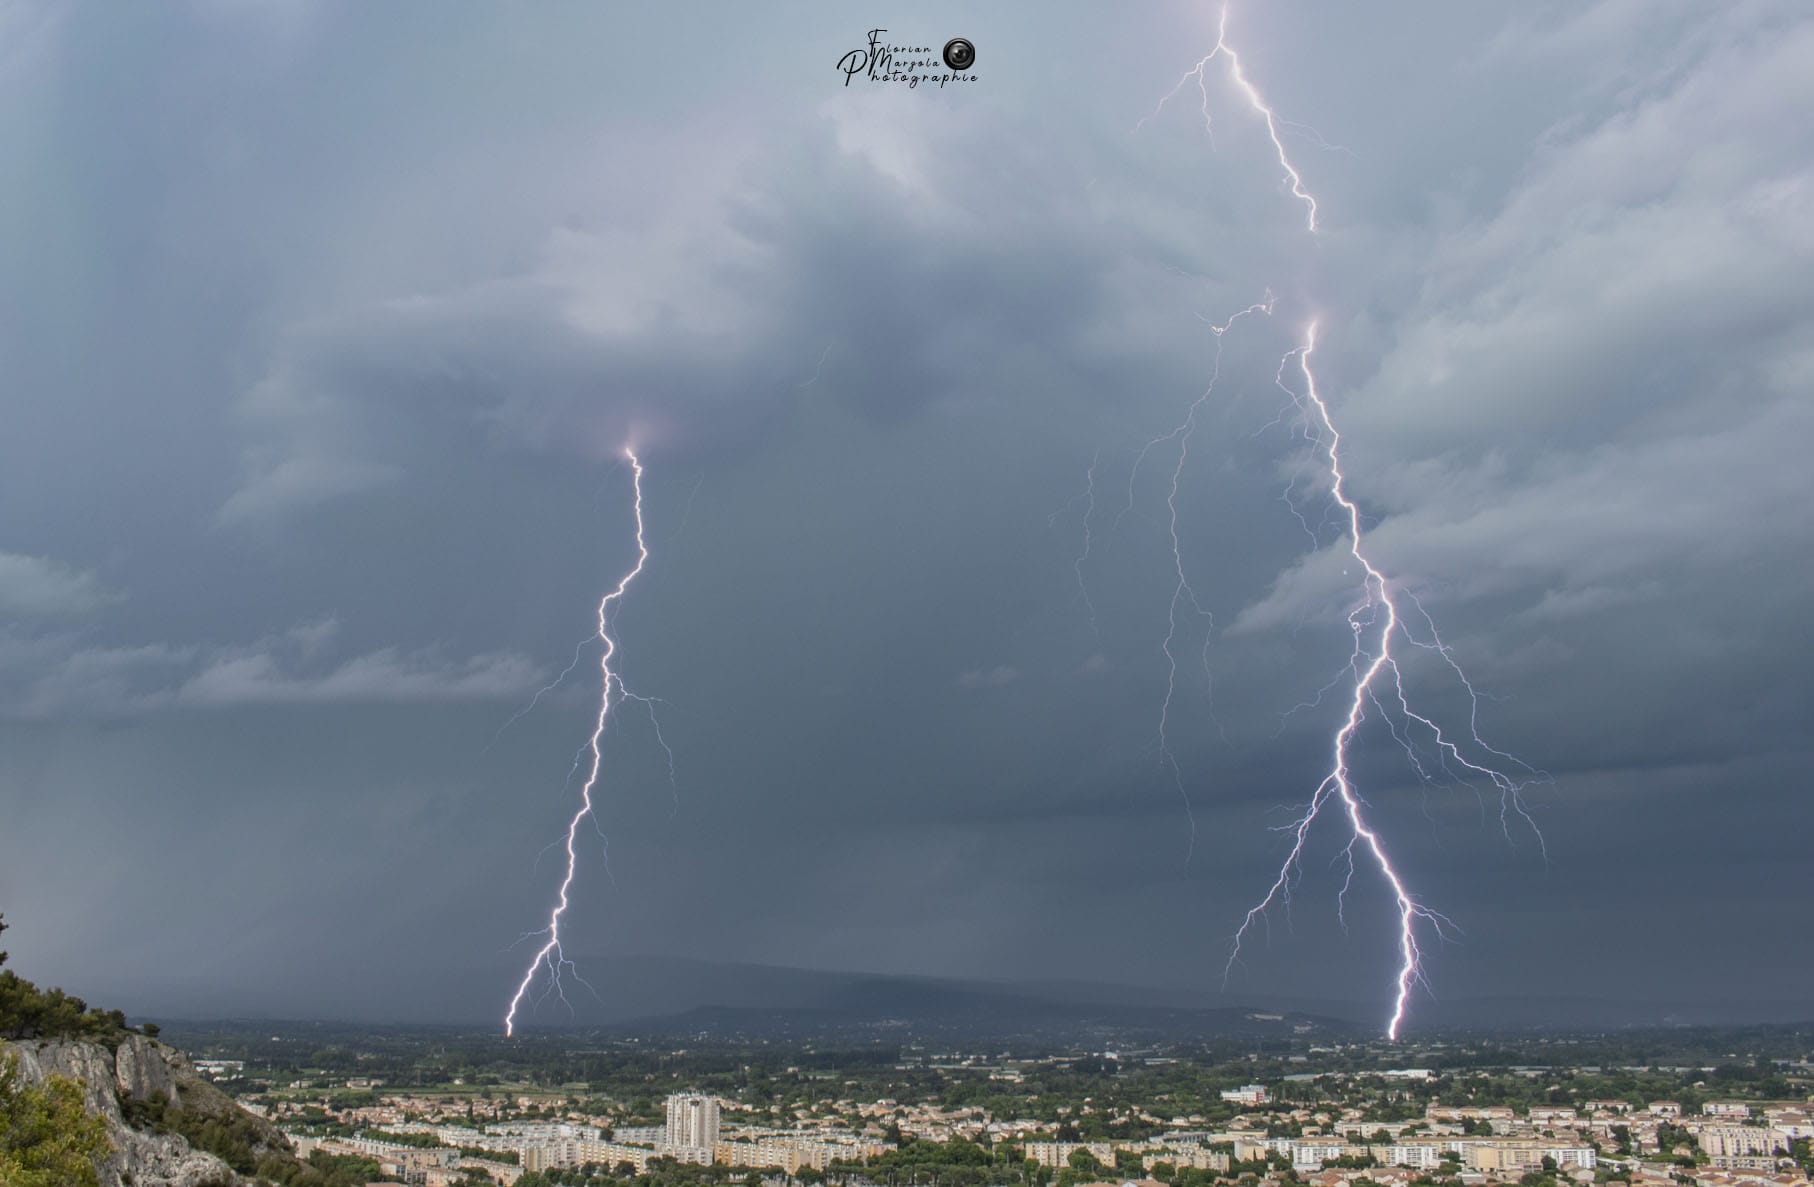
(1555, 431)
(848, 258)
(332, 331)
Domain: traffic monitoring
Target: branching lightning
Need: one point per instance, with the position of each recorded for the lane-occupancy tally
(1259, 104)
(550, 956)
(1182, 591)
(1376, 609)
(1087, 496)
(1375, 623)
(544, 690)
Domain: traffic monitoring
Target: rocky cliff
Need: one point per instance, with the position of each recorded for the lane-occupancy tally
(147, 1093)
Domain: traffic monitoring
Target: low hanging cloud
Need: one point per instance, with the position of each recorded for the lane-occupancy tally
(384, 675)
(1000, 676)
(49, 678)
(41, 587)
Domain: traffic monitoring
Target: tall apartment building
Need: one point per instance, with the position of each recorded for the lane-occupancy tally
(1312, 1153)
(1058, 1154)
(1524, 1154)
(1421, 1155)
(1720, 1141)
(692, 1122)
(790, 1154)
(1195, 1157)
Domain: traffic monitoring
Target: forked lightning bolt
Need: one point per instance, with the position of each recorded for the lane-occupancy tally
(1375, 624)
(1376, 609)
(1182, 591)
(550, 956)
(1259, 104)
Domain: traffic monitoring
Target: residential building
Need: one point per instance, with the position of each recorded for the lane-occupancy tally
(1312, 1153)
(1058, 1154)
(1421, 1155)
(1199, 1158)
(1726, 1141)
(692, 1125)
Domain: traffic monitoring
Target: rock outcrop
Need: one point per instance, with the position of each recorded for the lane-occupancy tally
(142, 1077)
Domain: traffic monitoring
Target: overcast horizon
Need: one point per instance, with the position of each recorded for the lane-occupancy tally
(325, 327)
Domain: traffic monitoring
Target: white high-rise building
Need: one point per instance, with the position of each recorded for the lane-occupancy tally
(692, 1121)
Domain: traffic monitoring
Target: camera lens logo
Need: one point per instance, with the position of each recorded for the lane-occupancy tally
(959, 54)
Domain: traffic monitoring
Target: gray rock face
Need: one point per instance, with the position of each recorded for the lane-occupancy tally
(142, 1069)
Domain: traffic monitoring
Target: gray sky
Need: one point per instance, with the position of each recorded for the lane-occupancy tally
(321, 327)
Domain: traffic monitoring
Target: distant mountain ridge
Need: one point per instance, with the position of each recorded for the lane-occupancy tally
(652, 991)
(666, 994)
(891, 1006)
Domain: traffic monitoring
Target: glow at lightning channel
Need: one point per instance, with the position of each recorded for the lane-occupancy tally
(1374, 623)
(549, 956)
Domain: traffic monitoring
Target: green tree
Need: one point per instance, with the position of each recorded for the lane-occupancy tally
(27, 1011)
(47, 1137)
(1083, 1160)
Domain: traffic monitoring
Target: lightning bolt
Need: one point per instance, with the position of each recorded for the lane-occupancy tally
(1377, 610)
(1182, 592)
(543, 691)
(1375, 623)
(1087, 496)
(550, 956)
(1254, 99)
